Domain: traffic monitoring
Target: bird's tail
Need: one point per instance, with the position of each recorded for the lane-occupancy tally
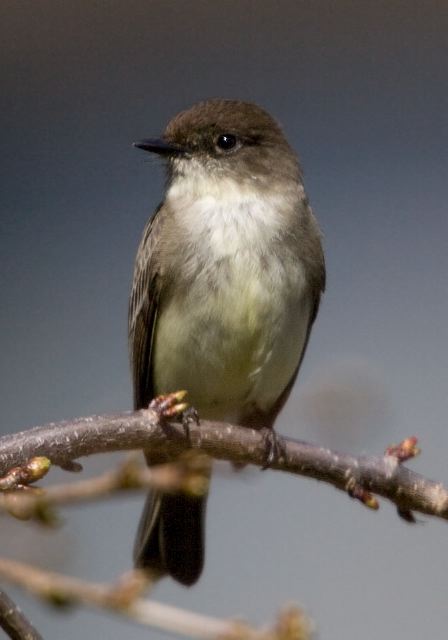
(170, 537)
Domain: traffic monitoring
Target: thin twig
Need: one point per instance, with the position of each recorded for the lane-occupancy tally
(124, 598)
(13, 622)
(385, 475)
(129, 476)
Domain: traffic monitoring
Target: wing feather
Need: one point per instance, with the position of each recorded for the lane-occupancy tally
(142, 315)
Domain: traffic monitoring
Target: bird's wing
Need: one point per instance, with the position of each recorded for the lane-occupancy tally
(143, 305)
(314, 262)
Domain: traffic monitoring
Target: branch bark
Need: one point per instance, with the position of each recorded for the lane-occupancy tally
(13, 622)
(360, 476)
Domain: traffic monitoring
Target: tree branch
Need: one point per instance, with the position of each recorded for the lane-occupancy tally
(360, 476)
(13, 621)
(124, 598)
(186, 477)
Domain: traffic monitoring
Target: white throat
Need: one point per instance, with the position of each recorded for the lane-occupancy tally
(225, 215)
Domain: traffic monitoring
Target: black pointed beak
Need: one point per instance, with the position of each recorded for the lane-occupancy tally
(160, 146)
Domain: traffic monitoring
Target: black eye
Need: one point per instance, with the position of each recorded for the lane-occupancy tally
(226, 141)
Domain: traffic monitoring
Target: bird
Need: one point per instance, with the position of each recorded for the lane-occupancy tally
(227, 283)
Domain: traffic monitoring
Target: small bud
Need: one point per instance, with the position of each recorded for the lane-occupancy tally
(169, 405)
(175, 410)
(370, 501)
(197, 485)
(37, 468)
(358, 492)
(293, 624)
(406, 515)
(31, 471)
(180, 395)
(406, 450)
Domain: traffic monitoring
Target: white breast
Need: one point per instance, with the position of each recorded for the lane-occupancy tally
(235, 340)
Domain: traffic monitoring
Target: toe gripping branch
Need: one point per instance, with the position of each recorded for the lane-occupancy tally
(171, 406)
(274, 449)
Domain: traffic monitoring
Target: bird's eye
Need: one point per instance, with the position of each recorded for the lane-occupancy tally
(226, 141)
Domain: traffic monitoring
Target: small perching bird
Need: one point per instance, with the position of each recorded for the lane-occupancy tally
(227, 283)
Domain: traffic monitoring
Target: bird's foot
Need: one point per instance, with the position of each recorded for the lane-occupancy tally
(189, 416)
(274, 448)
(169, 405)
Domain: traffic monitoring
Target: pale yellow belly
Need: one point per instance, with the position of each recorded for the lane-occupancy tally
(235, 347)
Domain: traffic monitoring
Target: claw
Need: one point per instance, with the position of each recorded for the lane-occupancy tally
(189, 416)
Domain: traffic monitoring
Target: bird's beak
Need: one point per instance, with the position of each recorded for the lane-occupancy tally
(160, 146)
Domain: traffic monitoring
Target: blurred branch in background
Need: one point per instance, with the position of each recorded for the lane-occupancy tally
(35, 503)
(124, 598)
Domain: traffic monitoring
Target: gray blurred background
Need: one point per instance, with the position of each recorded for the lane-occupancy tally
(361, 90)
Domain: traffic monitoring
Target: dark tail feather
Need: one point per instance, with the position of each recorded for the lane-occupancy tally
(170, 537)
